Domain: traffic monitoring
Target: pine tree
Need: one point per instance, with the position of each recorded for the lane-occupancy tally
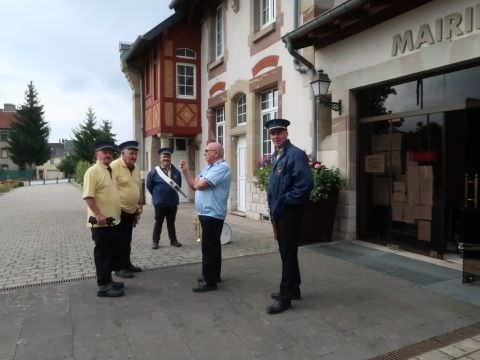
(28, 137)
(84, 136)
(105, 131)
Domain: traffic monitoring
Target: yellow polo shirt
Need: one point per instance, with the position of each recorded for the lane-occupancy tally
(100, 185)
(128, 184)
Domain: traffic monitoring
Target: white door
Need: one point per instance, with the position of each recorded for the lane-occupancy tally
(241, 172)
(180, 153)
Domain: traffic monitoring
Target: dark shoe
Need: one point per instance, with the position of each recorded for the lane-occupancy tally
(134, 269)
(154, 245)
(109, 291)
(202, 286)
(175, 243)
(117, 285)
(200, 279)
(276, 296)
(124, 273)
(278, 307)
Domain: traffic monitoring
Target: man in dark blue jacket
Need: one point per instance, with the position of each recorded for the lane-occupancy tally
(290, 183)
(164, 198)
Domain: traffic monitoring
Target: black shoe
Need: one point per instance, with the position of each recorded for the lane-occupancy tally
(278, 307)
(202, 286)
(175, 243)
(155, 245)
(200, 279)
(124, 273)
(134, 269)
(109, 291)
(276, 296)
(117, 285)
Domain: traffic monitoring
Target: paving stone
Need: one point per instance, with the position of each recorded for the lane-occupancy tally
(435, 355)
(53, 348)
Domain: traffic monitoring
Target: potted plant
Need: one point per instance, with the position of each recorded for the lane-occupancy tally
(320, 210)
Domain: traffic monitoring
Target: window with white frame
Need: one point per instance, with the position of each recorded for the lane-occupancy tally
(220, 124)
(3, 134)
(4, 153)
(219, 32)
(185, 53)
(267, 12)
(185, 80)
(268, 111)
(241, 107)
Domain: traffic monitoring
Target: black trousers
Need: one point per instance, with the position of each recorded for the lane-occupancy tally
(105, 239)
(211, 248)
(161, 213)
(123, 246)
(288, 225)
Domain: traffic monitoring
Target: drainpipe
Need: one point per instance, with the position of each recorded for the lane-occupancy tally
(303, 66)
(142, 137)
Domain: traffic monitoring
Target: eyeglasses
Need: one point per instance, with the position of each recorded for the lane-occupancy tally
(207, 150)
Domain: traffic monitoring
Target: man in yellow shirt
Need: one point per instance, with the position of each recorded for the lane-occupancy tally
(127, 176)
(103, 213)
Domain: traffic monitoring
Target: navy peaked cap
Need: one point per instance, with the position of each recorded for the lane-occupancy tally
(104, 145)
(166, 151)
(129, 145)
(277, 124)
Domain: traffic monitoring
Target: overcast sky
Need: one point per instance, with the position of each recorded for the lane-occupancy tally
(69, 49)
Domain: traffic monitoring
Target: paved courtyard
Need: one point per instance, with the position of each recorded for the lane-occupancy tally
(359, 301)
(44, 239)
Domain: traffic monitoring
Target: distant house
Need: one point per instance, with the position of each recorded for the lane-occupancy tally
(7, 117)
(49, 170)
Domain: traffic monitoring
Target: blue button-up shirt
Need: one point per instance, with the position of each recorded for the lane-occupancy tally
(212, 201)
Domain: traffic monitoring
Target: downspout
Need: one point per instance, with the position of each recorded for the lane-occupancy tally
(142, 137)
(303, 66)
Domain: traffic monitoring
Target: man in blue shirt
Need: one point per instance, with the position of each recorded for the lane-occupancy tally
(164, 198)
(289, 186)
(211, 196)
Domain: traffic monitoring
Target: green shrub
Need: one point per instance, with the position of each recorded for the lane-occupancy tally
(80, 170)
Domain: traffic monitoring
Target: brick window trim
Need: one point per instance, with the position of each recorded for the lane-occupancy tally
(267, 61)
(219, 86)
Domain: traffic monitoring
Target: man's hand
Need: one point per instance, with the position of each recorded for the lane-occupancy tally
(184, 166)
(101, 220)
(139, 210)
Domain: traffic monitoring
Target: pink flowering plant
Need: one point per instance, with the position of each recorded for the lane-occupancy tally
(325, 180)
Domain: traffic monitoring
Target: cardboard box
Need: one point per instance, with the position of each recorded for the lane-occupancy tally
(381, 190)
(398, 209)
(375, 163)
(399, 193)
(395, 162)
(410, 162)
(409, 214)
(426, 185)
(424, 230)
(423, 212)
(387, 142)
(413, 184)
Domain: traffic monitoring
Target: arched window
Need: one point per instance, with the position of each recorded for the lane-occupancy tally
(241, 109)
(185, 53)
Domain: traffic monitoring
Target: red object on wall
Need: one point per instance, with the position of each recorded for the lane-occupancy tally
(164, 111)
(423, 156)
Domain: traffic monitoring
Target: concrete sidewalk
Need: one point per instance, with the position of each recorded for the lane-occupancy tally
(351, 310)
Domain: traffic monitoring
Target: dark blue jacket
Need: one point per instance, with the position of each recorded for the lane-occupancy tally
(290, 181)
(162, 194)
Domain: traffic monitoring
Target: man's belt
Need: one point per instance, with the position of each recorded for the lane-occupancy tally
(170, 181)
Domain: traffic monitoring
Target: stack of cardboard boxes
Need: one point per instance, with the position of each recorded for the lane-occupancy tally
(409, 194)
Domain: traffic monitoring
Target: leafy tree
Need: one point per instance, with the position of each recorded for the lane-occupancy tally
(80, 170)
(28, 137)
(67, 165)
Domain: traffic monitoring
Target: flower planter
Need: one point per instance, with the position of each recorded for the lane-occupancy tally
(318, 220)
